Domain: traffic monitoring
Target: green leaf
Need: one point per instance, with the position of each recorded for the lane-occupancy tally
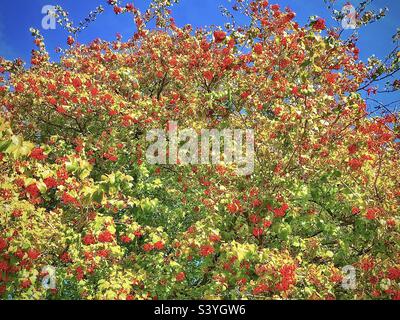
(98, 196)
(4, 145)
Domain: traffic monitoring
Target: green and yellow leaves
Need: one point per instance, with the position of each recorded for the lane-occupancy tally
(17, 147)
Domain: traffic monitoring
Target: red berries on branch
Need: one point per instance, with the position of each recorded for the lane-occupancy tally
(70, 41)
(219, 36)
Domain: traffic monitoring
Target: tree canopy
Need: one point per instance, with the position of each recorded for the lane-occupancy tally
(77, 194)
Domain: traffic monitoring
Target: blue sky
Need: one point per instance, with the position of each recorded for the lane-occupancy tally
(17, 16)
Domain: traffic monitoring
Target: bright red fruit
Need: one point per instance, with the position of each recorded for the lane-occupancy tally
(106, 236)
(38, 154)
(319, 24)
(181, 276)
(206, 250)
(70, 41)
(219, 36)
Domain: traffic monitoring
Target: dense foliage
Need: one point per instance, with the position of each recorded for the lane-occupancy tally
(76, 192)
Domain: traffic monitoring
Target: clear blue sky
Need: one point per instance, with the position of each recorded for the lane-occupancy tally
(17, 16)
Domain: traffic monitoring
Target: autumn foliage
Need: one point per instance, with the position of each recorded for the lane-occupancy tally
(76, 192)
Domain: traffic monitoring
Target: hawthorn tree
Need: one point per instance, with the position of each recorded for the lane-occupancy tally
(77, 194)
